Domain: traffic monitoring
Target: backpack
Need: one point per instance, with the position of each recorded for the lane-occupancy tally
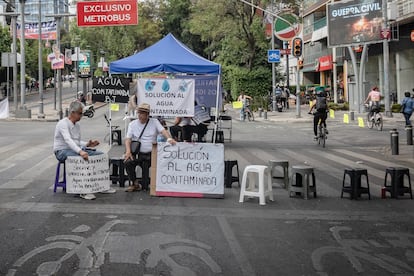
(321, 104)
(278, 92)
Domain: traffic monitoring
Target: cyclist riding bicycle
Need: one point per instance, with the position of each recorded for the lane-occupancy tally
(245, 99)
(374, 98)
(320, 105)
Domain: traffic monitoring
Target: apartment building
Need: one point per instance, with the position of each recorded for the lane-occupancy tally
(318, 60)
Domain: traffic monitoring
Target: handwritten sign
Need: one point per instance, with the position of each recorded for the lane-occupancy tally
(87, 177)
(110, 90)
(190, 170)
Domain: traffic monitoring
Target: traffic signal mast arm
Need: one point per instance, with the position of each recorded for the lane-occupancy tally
(266, 11)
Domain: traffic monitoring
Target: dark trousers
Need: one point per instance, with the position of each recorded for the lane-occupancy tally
(407, 119)
(144, 161)
(319, 115)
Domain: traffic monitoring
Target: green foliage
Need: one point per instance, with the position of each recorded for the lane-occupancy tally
(395, 108)
(5, 42)
(254, 83)
(336, 106)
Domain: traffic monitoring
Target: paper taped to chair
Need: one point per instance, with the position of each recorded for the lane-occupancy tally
(87, 177)
(190, 170)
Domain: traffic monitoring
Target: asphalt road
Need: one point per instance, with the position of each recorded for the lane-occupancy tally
(46, 233)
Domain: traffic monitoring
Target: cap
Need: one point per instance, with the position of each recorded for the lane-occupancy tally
(144, 107)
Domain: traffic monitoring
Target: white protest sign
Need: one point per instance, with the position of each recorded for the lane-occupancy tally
(168, 97)
(190, 170)
(87, 177)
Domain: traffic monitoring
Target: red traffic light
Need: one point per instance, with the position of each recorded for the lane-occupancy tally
(297, 47)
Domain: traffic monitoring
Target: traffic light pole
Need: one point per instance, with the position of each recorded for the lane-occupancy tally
(297, 52)
(297, 91)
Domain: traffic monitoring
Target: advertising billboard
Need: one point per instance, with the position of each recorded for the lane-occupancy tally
(31, 30)
(354, 22)
(84, 65)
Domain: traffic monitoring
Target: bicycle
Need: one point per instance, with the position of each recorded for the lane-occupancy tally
(322, 133)
(375, 120)
(248, 114)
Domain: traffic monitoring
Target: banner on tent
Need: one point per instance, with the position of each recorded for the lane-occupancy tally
(205, 90)
(190, 170)
(168, 97)
(110, 90)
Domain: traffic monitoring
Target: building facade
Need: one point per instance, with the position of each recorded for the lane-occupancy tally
(319, 60)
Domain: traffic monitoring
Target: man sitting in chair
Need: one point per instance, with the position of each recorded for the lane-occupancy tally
(145, 129)
(67, 140)
(187, 126)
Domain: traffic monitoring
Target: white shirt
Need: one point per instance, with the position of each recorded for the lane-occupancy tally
(149, 136)
(68, 136)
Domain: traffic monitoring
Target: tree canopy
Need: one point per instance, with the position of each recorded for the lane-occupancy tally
(228, 32)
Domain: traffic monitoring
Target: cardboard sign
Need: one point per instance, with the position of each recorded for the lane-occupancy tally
(87, 177)
(190, 170)
(110, 90)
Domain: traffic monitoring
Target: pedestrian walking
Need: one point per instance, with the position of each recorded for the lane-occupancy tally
(407, 106)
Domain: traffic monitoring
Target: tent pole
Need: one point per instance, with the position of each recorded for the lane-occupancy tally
(110, 125)
(217, 107)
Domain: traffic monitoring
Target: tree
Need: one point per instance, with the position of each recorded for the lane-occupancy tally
(175, 15)
(118, 41)
(235, 35)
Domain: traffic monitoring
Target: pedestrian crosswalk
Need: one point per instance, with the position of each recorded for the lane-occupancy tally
(24, 164)
(329, 165)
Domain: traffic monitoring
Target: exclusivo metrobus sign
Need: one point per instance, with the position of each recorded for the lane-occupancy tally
(107, 13)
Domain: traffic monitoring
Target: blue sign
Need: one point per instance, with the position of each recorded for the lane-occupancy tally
(273, 55)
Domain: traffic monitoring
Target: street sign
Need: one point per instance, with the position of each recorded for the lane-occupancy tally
(287, 26)
(285, 51)
(107, 13)
(273, 55)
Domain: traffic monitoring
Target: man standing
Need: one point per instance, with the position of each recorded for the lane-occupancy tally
(67, 140)
(145, 130)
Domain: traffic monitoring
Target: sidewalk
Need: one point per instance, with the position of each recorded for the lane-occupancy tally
(290, 116)
(50, 113)
(406, 152)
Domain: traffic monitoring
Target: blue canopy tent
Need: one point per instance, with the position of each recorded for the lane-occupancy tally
(169, 55)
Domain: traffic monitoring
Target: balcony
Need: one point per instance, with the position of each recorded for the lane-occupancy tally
(405, 11)
(318, 27)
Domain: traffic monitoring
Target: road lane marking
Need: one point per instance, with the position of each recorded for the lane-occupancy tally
(136, 209)
(238, 253)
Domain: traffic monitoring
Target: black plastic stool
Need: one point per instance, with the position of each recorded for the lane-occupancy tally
(355, 188)
(118, 171)
(116, 136)
(396, 187)
(218, 136)
(228, 173)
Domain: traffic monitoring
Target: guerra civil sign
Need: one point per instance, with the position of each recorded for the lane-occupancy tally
(107, 13)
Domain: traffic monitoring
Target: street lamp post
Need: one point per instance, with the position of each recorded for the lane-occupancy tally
(41, 112)
(386, 56)
(58, 18)
(23, 57)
